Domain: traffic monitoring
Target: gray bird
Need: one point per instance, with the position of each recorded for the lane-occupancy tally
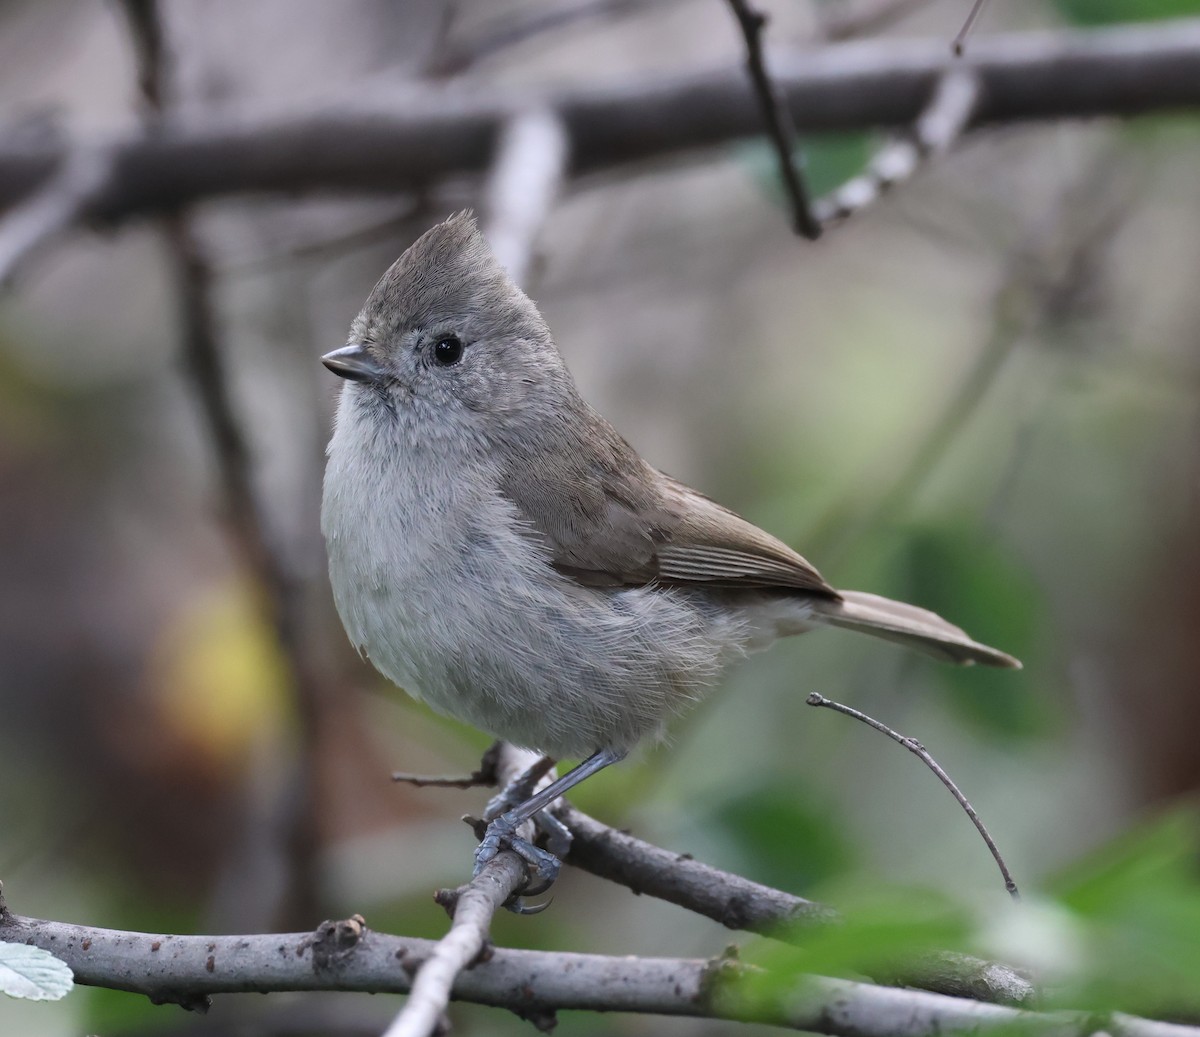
(499, 551)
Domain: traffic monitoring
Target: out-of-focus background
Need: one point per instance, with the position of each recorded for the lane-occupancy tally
(980, 395)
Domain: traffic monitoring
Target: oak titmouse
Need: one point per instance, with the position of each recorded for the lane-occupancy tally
(499, 551)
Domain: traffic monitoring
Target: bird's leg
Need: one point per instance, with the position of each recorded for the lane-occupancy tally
(556, 834)
(519, 789)
(502, 830)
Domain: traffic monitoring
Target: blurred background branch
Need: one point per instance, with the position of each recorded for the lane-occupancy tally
(294, 840)
(428, 135)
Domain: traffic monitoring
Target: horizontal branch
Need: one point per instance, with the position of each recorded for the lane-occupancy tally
(729, 899)
(733, 901)
(1121, 70)
(472, 908)
(348, 956)
(740, 903)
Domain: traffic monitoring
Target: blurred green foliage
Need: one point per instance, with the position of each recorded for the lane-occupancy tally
(1117, 931)
(956, 570)
(882, 928)
(1105, 12)
(1137, 902)
(794, 840)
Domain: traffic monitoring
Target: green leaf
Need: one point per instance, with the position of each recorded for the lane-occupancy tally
(1106, 12)
(33, 974)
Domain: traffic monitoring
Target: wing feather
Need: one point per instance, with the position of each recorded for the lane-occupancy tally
(610, 520)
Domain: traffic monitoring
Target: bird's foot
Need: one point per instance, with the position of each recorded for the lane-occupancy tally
(543, 865)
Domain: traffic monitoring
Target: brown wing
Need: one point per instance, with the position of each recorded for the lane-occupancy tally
(713, 544)
(611, 520)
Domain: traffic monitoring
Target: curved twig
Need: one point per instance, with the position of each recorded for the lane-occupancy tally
(917, 749)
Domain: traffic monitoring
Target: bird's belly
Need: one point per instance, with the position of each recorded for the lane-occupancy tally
(521, 652)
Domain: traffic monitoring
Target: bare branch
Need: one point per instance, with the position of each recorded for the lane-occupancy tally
(739, 903)
(524, 184)
(729, 899)
(942, 123)
(1122, 70)
(778, 118)
(915, 747)
(472, 907)
(349, 956)
(484, 775)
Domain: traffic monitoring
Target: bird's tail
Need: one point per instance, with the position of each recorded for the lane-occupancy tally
(910, 626)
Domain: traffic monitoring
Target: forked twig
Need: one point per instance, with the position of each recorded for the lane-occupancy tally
(915, 747)
(778, 118)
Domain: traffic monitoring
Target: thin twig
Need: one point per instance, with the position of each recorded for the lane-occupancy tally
(915, 747)
(961, 39)
(473, 907)
(531, 160)
(778, 118)
(483, 776)
(944, 121)
(474, 780)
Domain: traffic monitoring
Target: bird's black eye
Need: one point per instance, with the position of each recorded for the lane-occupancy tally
(448, 350)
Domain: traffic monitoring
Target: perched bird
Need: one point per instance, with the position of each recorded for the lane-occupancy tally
(499, 551)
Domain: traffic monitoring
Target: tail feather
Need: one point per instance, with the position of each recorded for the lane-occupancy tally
(910, 626)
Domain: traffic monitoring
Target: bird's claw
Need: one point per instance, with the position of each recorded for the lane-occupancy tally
(543, 865)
